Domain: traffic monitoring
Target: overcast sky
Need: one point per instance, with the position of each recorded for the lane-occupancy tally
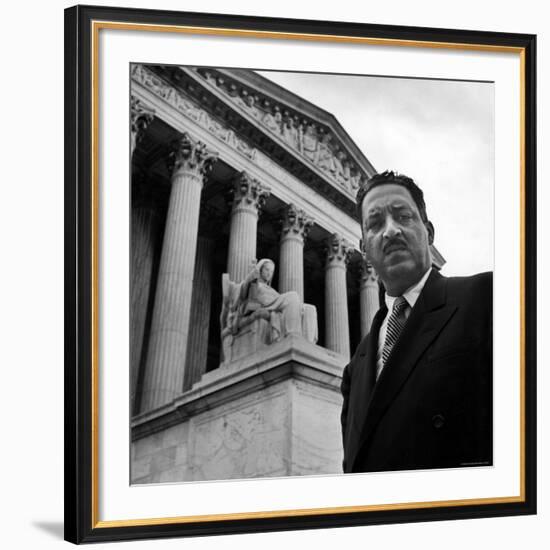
(439, 133)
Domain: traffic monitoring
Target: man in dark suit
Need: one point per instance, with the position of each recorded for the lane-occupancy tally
(418, 391)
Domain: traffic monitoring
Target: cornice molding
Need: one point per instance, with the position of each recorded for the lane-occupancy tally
(184, 89)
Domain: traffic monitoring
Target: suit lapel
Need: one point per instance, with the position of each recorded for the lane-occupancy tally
(364, 379)
(429, 315)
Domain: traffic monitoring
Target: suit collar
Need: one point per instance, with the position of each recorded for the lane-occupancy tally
(427, 318)
(411, 294)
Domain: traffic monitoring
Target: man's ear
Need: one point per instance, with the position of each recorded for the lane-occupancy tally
(431, 232)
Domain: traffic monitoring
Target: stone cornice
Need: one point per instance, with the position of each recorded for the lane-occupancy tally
(292, 357)
(184, 89)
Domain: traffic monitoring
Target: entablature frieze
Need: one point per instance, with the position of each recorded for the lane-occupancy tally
(191, 94)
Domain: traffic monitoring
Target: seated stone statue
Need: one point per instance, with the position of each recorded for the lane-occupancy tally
(253, 300)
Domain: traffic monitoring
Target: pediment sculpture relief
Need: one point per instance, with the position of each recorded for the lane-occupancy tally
(314, 141)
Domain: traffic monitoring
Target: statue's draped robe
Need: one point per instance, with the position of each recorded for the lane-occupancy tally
(285, 310)
(282, 314)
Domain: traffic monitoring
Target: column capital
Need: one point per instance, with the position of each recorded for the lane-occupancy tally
(295, 223)
(338, 251)
(248, 192)
(190, 157)
(368, 275)
(141, 116)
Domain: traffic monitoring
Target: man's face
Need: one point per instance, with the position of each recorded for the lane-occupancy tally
(396, 239)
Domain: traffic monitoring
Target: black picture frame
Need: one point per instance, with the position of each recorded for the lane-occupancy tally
(81, 523)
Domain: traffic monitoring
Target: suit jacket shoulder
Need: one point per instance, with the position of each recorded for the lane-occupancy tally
(439, 373)
(480, 285)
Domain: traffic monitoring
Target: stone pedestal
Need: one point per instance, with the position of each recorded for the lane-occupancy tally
(295, 226)
(368, 296)
(336, 298)
(275, 414)
(249, 196)
(164, 372)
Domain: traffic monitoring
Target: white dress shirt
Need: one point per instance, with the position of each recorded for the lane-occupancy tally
(411, 295)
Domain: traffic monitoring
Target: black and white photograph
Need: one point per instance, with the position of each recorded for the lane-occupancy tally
(300, 274)
(275, 275)
(311, 273)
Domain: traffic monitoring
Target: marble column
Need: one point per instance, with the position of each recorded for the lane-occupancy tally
(144, 226)
(249, 195)
(336, 297)
(295, 227)
(144, 234)
(368, 297)
(141, 116)
(164, 371)
(197, 348)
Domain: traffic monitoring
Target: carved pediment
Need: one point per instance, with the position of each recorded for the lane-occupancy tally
(319, 142)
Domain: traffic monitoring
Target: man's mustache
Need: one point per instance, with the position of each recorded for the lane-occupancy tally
(399, 243)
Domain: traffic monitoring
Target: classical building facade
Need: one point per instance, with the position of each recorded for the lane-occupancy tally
(235, 371)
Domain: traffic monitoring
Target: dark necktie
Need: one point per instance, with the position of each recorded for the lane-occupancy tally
(396, 322)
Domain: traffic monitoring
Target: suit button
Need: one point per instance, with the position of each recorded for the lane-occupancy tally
(438, 420)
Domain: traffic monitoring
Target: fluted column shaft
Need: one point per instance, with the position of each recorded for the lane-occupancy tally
(143, 228)
(242, 241)
(295, 226)
(164, 373)
(368, 298)
(248, 197)
(291, 265)
(197, 348)
(144, 231)
(336, 297)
